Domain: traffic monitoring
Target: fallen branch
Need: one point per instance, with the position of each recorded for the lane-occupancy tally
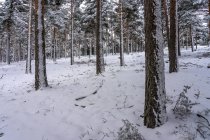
(200, 133)
(81, 98)
(95, 92)
(200, 116)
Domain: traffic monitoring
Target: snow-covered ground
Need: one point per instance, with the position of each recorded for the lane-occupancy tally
(79, 105)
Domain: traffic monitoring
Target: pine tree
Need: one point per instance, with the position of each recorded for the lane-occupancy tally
(40, 60)
(122, 63)
(99, 48)
(155, 96)
(173, 46)
(72, 32)
(28, 61)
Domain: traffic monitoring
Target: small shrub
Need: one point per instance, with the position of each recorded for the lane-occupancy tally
(129, 132)
(183, 104)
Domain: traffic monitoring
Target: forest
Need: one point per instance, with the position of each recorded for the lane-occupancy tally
(104, 69)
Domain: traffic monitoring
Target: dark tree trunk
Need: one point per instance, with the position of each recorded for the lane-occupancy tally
(209, 24)
(72, 32)
(191, 38)
(122, 63)
(28, 60)
(54, 47)
(178, 40)
(165, 11)
(155, 96)
(173, 46)
(40, 59)
(99, 48)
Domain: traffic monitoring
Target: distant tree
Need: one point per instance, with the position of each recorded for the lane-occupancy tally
(155, 96)
(8, 24)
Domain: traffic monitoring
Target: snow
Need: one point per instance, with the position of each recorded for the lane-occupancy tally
(53, 113)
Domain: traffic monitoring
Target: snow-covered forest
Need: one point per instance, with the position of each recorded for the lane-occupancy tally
(104, 69)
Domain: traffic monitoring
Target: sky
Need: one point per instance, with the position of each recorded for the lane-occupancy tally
(2, 0)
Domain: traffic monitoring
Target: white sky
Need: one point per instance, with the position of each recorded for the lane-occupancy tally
(2, 0)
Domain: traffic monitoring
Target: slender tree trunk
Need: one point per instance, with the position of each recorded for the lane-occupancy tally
(122, 63)
(165, 9)
(79, 49)
(40, 59)
(196, 41)
(173, 48)
(1, 52)
(8, 28)
(187, 40)
(99, 48)
(72, 32)
(8, 46)
(90, 48)
(178, 41)
(28, 62)
(54, 52)
(209, 25)
(191, 38)
(155, 96)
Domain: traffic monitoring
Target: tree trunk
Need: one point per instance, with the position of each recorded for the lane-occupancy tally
(54, 52)
(72, 32)
(173, 46)
(8, 46)
(209, 24)
(122, 63)
(28, 60)
(99, 48)
(155, 96)
(40, 60)
(178, 41)
(165, 9)
(191, 38)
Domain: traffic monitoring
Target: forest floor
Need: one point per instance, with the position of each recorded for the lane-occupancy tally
(79, 105)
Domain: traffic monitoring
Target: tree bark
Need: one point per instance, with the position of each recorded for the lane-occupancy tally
(28, 61)
(173, 46)
(191, 38)
(178, 41)
(155, 96)
(72, 32)
(165, 9)
(122, 63)
(40, 59)
(99, 48)
(209, 24)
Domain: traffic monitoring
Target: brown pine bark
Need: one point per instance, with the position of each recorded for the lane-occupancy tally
(154, 109)
(173, 46)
